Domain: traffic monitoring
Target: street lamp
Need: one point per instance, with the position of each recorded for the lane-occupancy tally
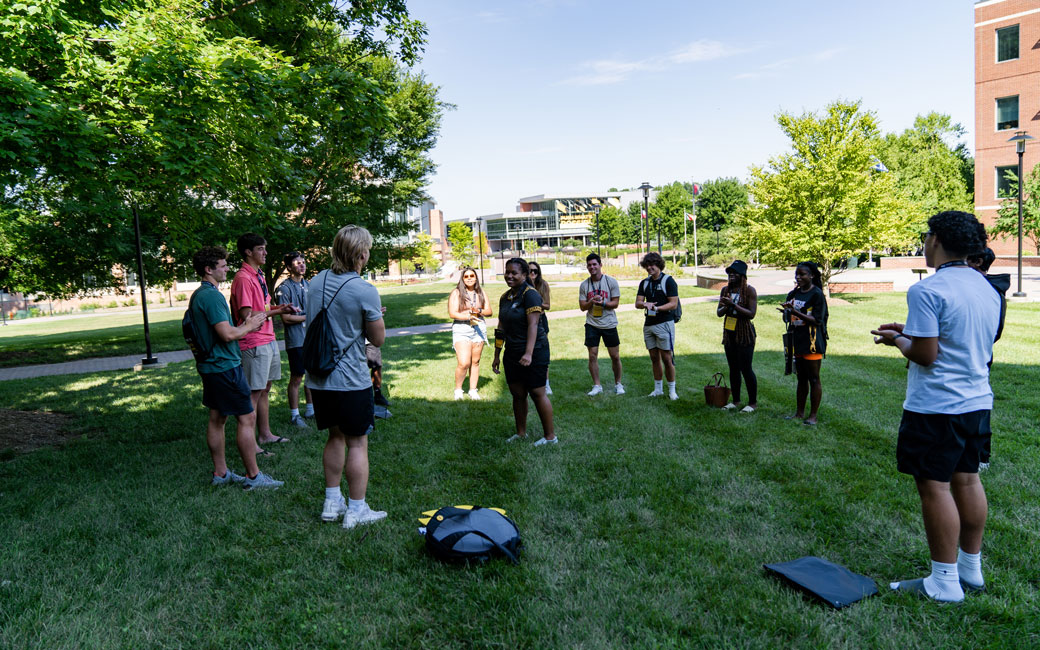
(597, 230)
(646, 187)
(1020, 147)
(480, 247)
(717, 227)
(149, 360)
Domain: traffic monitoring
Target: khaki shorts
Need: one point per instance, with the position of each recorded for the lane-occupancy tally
(261, 365)
(660, 336)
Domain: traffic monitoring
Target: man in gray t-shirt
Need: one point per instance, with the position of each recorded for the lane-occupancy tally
(599, 295)
(355, 304)
(293, 291)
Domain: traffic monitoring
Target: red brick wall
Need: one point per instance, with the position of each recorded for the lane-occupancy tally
(918, 262)
(860, 287)
(993, 80)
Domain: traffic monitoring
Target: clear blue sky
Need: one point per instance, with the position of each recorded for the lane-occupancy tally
(561, 96)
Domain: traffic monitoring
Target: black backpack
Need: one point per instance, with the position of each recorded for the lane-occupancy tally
(472, 533)
(321, 353)
(191, 333)
(660, 287)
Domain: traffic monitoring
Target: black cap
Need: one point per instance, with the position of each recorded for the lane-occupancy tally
(737, 267)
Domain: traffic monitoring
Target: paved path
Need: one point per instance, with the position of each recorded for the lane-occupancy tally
(767, 282)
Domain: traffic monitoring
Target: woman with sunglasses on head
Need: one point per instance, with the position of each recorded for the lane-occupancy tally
(536, 280)
(805, 312)
(468, 305)
(521, 333)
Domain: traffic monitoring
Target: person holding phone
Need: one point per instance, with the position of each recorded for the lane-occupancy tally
(536, 280)
(526, 359)
(468, 306)
(658, 294)
(599, 295)
(738, 304)
(805, 312)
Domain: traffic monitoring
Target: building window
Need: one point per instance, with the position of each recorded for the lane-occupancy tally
(1004, 189)
(1007, 43)
(1007, 113)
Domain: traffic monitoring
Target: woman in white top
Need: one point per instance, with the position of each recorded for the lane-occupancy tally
(468, 305)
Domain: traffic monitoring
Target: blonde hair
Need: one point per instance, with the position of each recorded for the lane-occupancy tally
(349, 247)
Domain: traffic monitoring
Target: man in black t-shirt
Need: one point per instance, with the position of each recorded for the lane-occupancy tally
(659, 296)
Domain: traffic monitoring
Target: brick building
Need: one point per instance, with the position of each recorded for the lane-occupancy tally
(1007, 99)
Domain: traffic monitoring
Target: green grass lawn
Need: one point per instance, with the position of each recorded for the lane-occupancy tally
(647, 526)
(33, 341)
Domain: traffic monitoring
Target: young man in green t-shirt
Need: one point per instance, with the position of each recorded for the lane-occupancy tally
(224, 387)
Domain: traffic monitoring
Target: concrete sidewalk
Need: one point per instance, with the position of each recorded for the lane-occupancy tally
(103, 364)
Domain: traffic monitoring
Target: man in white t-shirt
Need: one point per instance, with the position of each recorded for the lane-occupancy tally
(599, 295)
(944, 435)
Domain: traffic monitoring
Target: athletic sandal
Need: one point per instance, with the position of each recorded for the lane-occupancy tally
(729, 407)
(546, 441)
(748, 409)
(515, 437)
(264, 453)
(808, 423)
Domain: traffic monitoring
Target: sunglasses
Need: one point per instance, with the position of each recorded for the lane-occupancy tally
(925, 235)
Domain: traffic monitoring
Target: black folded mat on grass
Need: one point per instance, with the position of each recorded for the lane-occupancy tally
(831, 583)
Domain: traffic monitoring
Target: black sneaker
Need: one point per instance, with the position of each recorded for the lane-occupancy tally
(380, 399)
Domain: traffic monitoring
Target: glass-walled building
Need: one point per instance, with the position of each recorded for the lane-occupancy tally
(549, 220)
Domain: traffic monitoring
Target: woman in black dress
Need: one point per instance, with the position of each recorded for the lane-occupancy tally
(526, 359)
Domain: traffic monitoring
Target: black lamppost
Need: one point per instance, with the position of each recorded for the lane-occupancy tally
(597, 231)
(646, 187)
(148, 360)
(1020, 147)
(717, 227)
(480, 247)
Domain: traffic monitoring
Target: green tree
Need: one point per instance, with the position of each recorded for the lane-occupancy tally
(670, 207)
(1007, 217)
(460, 238)
(932, 168)
(210, 118)
(819, 202)
(613, 227)
(423, 253)
(635, 224)
(720, 201)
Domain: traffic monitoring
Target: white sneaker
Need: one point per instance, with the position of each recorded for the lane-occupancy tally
(546, 441)
(548, 391)
(473, 394)
(363, 515)
(672, 395)
(459, 394)
(747, 409)
(657, 393)
(514, 438)
(333, 509)
(729, 407)
(619, 389)
(596, 390)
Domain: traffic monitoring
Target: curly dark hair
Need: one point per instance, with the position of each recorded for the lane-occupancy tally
(958, 232)
(652, 259)
(248, 242)
(207, 257)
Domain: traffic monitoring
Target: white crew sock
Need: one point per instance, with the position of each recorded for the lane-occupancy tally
(355, 504)
(309, 411)
(658, 384)
(333, 493)
(944, 583)
(969, 568)
(671, 387)
(293, 413)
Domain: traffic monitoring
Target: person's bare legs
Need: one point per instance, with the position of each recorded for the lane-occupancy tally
(615, 362)
(476, 349)
(245, 440)
(261, 404)
(545, 411)
(815, 389)
(594, 364)
(334, 456)
(972, 509)
(941, 521)
(357, 467)
(669, 367)
(293, 391)
(519, 394)
(215, 441)
(655, 362)
(463, 354)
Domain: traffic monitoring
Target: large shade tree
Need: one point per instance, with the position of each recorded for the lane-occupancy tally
(289, 119)
(820, 201)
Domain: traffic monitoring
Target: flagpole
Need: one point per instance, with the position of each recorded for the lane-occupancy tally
(693, 208)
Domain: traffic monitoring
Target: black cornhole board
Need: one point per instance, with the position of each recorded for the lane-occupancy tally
(831, 583)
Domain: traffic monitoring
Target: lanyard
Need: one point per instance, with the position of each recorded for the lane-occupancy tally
(953, 263)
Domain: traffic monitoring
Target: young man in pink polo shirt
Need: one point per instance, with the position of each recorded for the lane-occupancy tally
(261, 361)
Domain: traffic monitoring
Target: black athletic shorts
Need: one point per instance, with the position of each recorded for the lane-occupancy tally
(533, 376)
(295, 361)
(227, 392)
(593, 334)
(935, 445)
(353, 411)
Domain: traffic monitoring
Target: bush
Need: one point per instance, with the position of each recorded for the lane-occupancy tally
(89, 306)
(130, 303)
(180, 297)
(112, 305)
